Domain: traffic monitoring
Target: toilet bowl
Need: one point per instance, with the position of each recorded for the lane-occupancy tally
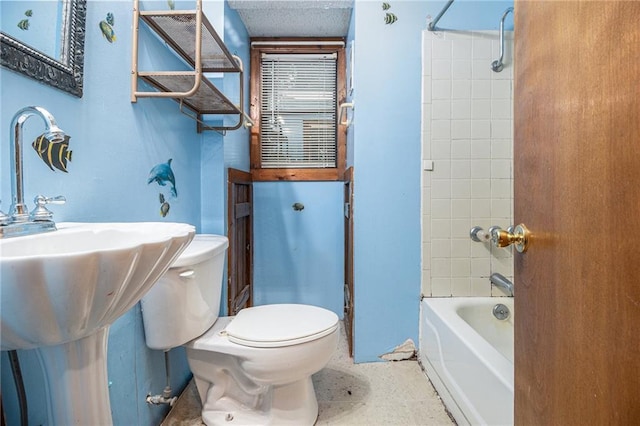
(251, 369)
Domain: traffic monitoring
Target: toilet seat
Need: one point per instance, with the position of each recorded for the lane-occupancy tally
(273, 326)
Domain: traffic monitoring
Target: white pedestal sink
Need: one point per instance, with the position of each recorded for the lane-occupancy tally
(62, 290)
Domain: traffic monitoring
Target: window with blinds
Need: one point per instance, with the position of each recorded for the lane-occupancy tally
(298, 110)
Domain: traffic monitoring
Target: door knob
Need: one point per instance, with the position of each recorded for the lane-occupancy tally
(520, 238)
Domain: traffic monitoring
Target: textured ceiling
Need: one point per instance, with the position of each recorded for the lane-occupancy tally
(294, 18)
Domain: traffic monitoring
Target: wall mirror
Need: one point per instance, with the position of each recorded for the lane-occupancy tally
(45, 41)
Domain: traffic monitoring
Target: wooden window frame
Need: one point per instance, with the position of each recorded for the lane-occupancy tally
(296, 174)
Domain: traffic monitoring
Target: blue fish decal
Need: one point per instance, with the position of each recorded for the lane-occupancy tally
(54, 154)
(23, 24)
(110, 19)
(107, 31)
(162, 173)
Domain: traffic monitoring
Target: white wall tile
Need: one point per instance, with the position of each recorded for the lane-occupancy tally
(441, 228)
(480, 148)
(481, 188)
(440, 49)
(441, 69)
(501, 189)
(500, 169)
(441, 109)
(440, 267)
(440, 129)
(440, 208)
(480, 129)
(461, 267)
(469, 137)
(460, 129)
(481, 70)
(460, 228)
(461, 89)
(460, 188)
(440, 189)
(441, 149)
(480, 287)
(460, 109)
(441, 89)
(461, 48)
(460, 286)
(481, 208)
(481, 49)
(441, 169)
(461, 248)
(461, 70)
(501, 89)
(481, 109)
(501, 129)
(460, 208)
(501, 149)
(460, 169)
(480, 169)
(481, 89)
(501, 109)
(461, 149)
(440, 248)
(440, 287)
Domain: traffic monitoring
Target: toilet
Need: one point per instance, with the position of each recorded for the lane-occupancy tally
(251, 369)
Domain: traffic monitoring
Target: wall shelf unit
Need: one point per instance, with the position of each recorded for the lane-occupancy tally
(192, 37)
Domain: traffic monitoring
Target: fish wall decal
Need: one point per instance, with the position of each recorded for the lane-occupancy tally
(106, 27)
(54, 154)
(161, 174)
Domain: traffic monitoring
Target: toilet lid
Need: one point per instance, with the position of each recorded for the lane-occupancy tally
(272, 326)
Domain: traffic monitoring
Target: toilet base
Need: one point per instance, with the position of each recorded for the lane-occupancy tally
(290, 404)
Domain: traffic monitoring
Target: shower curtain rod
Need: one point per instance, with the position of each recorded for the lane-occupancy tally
(432, 24)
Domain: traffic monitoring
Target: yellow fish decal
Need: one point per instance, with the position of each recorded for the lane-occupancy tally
(54, 154)
(107, 31)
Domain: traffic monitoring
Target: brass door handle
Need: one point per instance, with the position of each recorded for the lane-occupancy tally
(520, 238)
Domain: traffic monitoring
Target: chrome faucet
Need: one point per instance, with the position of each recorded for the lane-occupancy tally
(503, 282)
(20, 222)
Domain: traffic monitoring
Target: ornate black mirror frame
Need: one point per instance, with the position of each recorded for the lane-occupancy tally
(64, 74)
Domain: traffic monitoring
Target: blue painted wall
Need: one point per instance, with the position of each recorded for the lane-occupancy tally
(299, 255)
(386, 159)
(115, 144)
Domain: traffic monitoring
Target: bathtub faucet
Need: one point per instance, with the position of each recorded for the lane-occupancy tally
(503, 282)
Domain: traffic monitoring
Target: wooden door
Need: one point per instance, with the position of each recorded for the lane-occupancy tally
(240, 253)
(348, 257)
(577, 188)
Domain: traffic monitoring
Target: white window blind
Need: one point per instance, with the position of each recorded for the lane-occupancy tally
(298, 111)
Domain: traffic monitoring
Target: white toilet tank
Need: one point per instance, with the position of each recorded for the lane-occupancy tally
(185, 302)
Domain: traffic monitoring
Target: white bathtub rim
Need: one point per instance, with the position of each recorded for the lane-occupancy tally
(505, 375)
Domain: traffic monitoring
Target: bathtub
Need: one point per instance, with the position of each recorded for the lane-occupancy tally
(468, 355)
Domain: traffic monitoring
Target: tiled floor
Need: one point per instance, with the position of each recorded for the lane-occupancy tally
(373, 394)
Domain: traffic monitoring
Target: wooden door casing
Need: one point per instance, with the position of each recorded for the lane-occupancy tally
(240, 231)
(348, 258)
(577, 188)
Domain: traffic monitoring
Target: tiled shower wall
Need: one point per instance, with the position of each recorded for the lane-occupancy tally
(467, 152)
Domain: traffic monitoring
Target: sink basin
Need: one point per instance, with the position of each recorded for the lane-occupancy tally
(60, 291)
(64, 285)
